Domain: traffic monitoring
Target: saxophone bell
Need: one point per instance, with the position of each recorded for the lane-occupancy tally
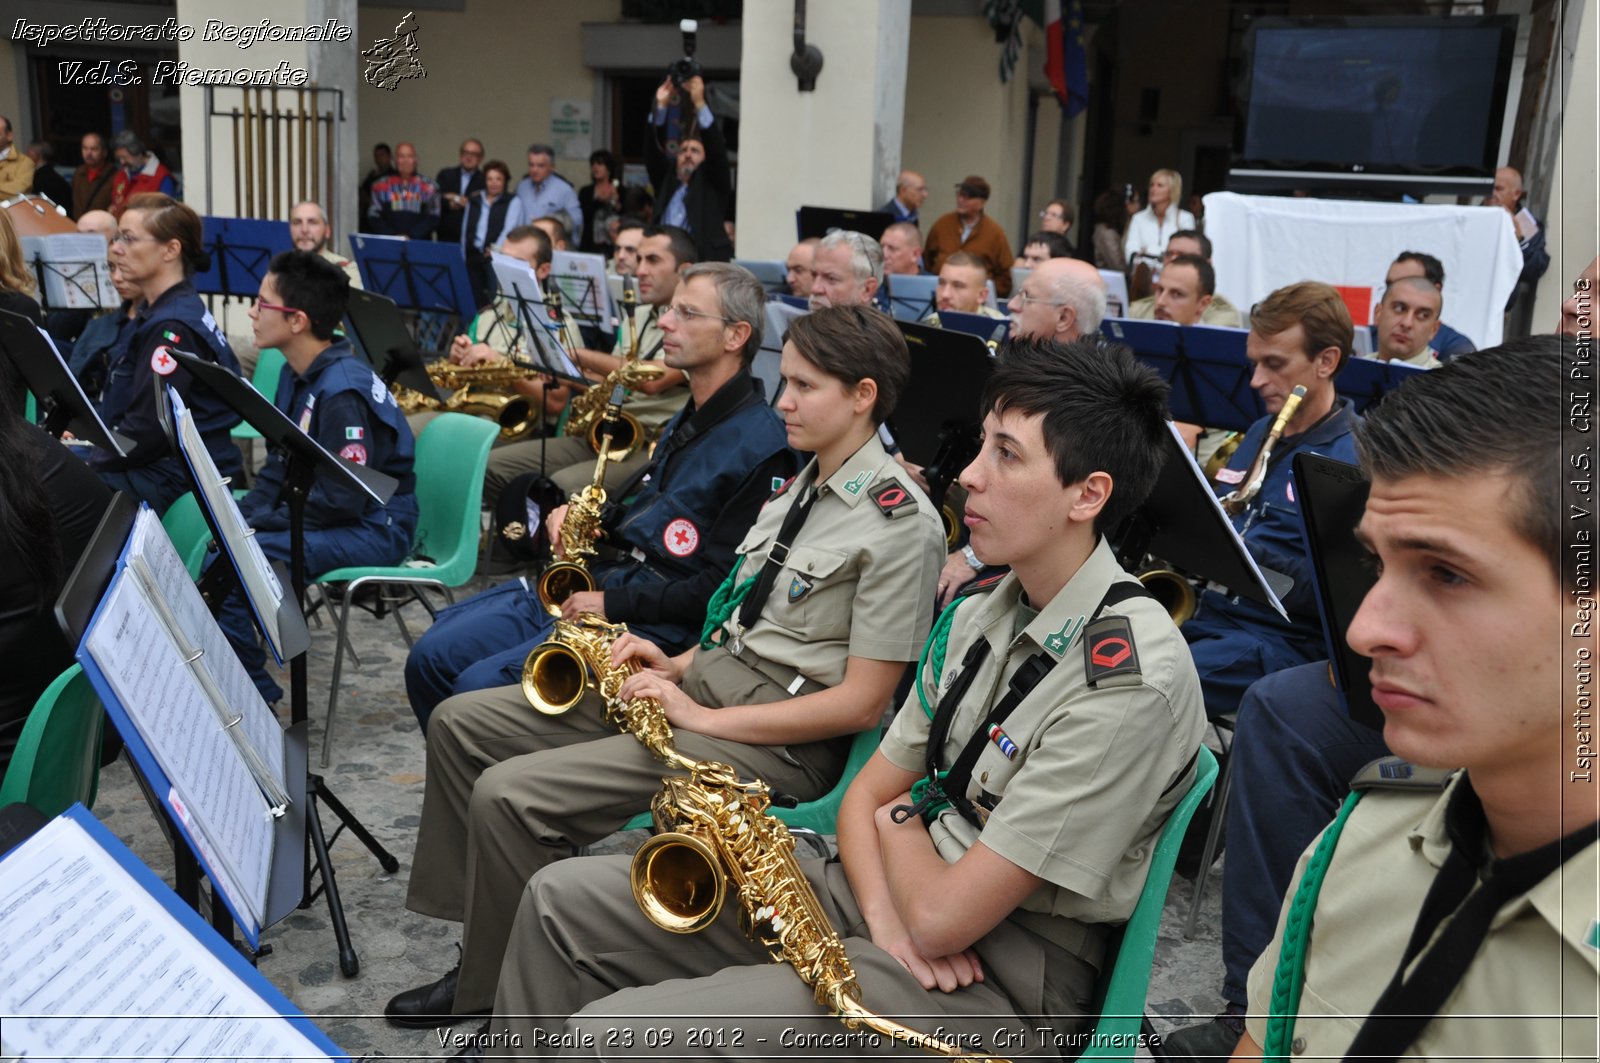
(678, 882)
(555, 677)
(559, 581)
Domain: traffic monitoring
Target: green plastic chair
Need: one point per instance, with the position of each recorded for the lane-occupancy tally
(269, 367)
(57, 759)
(452, 456)
(1123, 992)
(187, 528)
(822, 815)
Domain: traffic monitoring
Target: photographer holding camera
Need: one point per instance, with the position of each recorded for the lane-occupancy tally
(694, 184)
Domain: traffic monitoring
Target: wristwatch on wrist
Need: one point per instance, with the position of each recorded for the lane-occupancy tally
(972, 558)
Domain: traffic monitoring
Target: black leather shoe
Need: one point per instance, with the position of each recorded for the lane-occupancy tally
(1214, 1040)
(427, 1006)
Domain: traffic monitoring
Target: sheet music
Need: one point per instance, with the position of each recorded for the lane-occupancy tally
(178, 594)
(225, 809)
(519, 284)
(582, 279)
(95, 968)
(75, 273)
(261, 585)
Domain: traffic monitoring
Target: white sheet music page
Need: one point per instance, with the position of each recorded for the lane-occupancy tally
(222, 803)
(261, 584)
(95, 968)
(200, 631)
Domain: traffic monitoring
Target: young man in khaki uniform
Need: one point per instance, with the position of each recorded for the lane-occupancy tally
(986, 919)
(664, 253)
(1461, 924)
(808, 657)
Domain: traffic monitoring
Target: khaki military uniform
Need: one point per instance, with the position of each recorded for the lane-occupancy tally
(569, 460)
(345, 264)
(510, 790)
(1219, 312)
(1080, 803)
(1529, 992)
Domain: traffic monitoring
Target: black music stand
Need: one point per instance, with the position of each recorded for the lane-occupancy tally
(1365, 380)
(305, 462)
(419, 274)
(1182, 523)
(911, 295)
(985, 328)
(376, 322)
(820, 221)
(241, 251)
(34, 354)
(581, 278)
(80, 280)
(936, 422)
(1333, 496)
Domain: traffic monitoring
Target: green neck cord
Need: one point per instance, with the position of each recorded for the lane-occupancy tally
(1289, 977)
(723, 602)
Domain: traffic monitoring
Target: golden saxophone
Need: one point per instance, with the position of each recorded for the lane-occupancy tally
(583, 415)
(713, 831)
(1235, 501)
(569, 572)
(481, 390)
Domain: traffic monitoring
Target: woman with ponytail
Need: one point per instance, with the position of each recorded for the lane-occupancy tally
(158, 248)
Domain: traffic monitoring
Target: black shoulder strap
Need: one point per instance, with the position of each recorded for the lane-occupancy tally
(777, 554)
(685, 433)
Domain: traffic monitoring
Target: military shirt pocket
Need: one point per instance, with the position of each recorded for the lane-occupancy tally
(811, 595)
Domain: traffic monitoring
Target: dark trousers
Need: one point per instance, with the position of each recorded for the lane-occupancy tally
(1295, 752)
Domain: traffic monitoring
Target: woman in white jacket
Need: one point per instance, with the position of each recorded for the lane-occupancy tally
(1149, 229)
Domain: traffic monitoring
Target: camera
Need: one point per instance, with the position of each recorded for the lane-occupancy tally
(688, 66)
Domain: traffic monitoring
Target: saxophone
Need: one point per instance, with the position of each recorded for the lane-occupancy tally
(713, 831)
(481, 390)
(569, 573)
(1237, 500)
(584, 413)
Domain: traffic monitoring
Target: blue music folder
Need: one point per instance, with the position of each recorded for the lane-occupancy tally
(985, 328)
(421, 274)
(1205, 367)
(1365, 380)
(90, 930)
(911, 295)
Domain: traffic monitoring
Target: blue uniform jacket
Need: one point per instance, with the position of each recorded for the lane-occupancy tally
(341, 403)
(180, 320)
(1270, 526)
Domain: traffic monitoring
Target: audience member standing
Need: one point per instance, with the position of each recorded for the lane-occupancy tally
(910, 193)
(138, 172)
(491, 211)
(1110, 222)
(544, 192)
(1149, 229)
(456, 186)
(694, 187)
(406, 203)
(16, 169)
(46, 181)
(969, 229)
(382, 166)
(600, 201)
(91, 182)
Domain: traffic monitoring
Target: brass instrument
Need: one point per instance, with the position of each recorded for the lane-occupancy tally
(569, 573)
(583, 415)
(713, 831)
(1235, 501)
(1219, 458)
(1172, 589)
(480, 390)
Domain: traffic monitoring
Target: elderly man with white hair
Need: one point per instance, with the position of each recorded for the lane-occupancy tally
(846, 270)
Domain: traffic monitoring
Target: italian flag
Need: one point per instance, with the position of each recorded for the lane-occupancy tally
(1066, 65)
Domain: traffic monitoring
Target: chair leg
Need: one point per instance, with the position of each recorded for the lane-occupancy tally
(1209, 854)
(399, 617)
(338, 663)
(344, 633)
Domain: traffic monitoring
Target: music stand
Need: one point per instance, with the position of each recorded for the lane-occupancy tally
(985, 328)
(34, 354)
(820, 221)
(377, 323)
(1206, 368)
(936, 422)
(71, 270)
(1333, 496)
(1366, 380)
(305, 462)
(581, 278)
(1117, 302)
(1182, 523)
(773, 275)
(537, 321)
(241, 251)
(419, 274)
(911, 296)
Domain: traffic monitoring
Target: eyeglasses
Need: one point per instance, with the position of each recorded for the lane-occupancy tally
(262, 304)
(1024, 298)
(689, 313)
(1056, 214)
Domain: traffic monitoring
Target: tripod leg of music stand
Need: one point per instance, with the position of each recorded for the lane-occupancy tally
(348, 963)
(385, 859)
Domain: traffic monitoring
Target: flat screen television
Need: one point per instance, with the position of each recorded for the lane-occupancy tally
(1395, 104)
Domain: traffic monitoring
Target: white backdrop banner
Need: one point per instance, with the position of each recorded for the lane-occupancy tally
(1262, 243)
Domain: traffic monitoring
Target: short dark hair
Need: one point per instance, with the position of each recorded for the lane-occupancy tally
(1433, 425)
(546, 252)
(1196, 235)
(1432, 268)
(630, 222)
(499, 166)
(310, 283)
(542, 149)
(683, 252)
(128, 141)
(609, 161)
(967, 259)
(1103, 410)
(852, 344)
(1054, 244)
(166, 219)
(1208, 276)
(560, 226)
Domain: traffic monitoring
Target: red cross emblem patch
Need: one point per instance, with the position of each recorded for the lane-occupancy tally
(681, 538)
(162, 362)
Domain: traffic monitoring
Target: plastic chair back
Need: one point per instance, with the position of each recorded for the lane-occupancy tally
(1125, 988)
(57, 759)
(186, 527)
(452, 454)
(269, 367)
